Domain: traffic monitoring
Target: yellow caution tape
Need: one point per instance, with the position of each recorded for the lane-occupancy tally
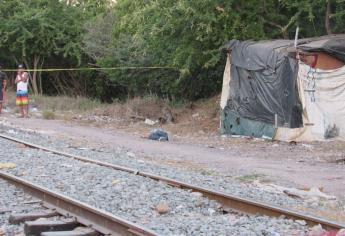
(94, 68)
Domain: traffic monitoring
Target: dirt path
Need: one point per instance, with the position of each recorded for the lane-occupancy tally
(293, 165)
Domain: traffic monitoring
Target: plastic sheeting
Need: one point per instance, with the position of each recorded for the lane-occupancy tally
(322, 93)
(263, 83)
(333, 45)
(260, 80)
(226, 84)
(233, 124)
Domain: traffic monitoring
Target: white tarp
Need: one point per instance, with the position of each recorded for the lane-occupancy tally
(226, 84)
(322, 93)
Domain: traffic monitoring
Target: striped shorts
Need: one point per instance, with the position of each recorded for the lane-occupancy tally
(22, 98)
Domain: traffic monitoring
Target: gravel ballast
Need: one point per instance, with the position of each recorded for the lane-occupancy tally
(14, 201)
(208, 179)
(136, 198)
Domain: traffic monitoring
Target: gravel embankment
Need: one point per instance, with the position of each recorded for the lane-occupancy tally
(136, 198)
(14, 201)
(208, 179)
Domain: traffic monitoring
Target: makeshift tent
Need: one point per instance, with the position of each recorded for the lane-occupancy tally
(271, 91)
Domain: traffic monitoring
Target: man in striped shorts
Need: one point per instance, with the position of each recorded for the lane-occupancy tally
(22, 99)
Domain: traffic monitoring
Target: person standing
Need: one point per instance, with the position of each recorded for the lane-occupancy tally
(22, 99)
(3, 83)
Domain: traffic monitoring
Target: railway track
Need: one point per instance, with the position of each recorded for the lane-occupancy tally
(99, 220)
(228, 202)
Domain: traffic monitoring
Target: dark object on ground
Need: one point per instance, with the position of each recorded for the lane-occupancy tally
(159, 135)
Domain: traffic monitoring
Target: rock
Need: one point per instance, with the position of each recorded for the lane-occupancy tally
(23, 173)
(211, 211)
(233, 220)
(66, 165)
(199, 203)
(196, 194)
(162, 208)
(7, 166)
(301, 222)
(341, 232)
(116, 181)
(317, 230)
(20, 145)
(131, 154)
(11, 131)
(195, 115)
(307, 146)
(2, 232)
(149, 122)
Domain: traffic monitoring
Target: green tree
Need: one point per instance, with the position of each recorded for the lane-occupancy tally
(188, 34)
(32, 31)
(183, 35)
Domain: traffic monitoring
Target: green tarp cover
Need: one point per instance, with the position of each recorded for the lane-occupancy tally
(233, 124)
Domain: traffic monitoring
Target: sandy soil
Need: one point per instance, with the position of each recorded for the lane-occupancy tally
(301, 165)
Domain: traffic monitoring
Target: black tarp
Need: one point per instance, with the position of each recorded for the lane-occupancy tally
(263, 83)
(333, 45)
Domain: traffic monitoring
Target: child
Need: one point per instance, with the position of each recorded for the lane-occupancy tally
(22, 99)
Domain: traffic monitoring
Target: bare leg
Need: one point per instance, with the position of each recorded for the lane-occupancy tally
(21, 108)
(26, 110)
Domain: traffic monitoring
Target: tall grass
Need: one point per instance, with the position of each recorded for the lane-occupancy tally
(64, 103)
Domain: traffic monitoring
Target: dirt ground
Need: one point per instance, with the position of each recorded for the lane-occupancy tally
(301, 165)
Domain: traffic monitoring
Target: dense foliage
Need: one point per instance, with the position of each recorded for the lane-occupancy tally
(184, 36)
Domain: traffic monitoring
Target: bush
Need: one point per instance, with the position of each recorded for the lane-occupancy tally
(48, 115)
(64, 103)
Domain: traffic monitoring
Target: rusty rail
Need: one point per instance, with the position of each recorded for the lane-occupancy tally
(229, 202)
(103, 222)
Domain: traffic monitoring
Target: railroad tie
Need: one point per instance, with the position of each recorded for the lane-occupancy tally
(80, 231)
(20, 218)
(35, 228)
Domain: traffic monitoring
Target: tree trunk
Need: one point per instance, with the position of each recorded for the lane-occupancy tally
(35, 79)
(34, 76)
(32, 83)
(328, 16)
(40, 87)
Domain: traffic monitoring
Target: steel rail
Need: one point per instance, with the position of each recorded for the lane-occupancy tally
(229, 202)
(102, 221)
